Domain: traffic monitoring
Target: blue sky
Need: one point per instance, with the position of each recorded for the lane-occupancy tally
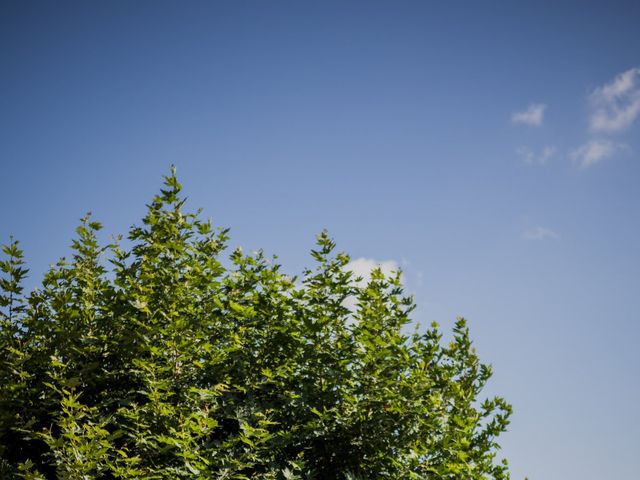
(490, 149)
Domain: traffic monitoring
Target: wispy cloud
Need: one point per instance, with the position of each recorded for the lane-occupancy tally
(615, 105)
(540, 233)
(533, 115)
(362, 267)
(532, 158)
(593, 152)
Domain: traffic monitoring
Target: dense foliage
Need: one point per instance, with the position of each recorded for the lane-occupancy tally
(165, 360)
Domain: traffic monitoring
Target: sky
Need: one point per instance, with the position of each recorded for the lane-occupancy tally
(491, 150)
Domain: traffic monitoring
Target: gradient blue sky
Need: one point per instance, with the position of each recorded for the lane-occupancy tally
(490, 149)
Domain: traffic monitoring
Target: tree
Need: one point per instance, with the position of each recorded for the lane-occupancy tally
(164, 360)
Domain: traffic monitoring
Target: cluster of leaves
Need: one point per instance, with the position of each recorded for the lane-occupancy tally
(164, 360)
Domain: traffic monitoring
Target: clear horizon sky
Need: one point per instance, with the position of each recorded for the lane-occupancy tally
(489, 149)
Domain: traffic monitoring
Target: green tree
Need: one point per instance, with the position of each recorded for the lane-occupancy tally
(166, 360)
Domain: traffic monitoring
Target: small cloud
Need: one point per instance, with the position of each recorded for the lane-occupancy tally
(533, 115)
(531, 158)
(594, 152)
(616, 105)
(362, 267)
(540, 233)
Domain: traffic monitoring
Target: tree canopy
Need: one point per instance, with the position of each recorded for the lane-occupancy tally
(167, 359)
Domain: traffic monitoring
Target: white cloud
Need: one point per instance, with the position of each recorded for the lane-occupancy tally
(616, 105)
(532, 158)
(362, 267)
(540, 233)
(594, 152)
(533, 115)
